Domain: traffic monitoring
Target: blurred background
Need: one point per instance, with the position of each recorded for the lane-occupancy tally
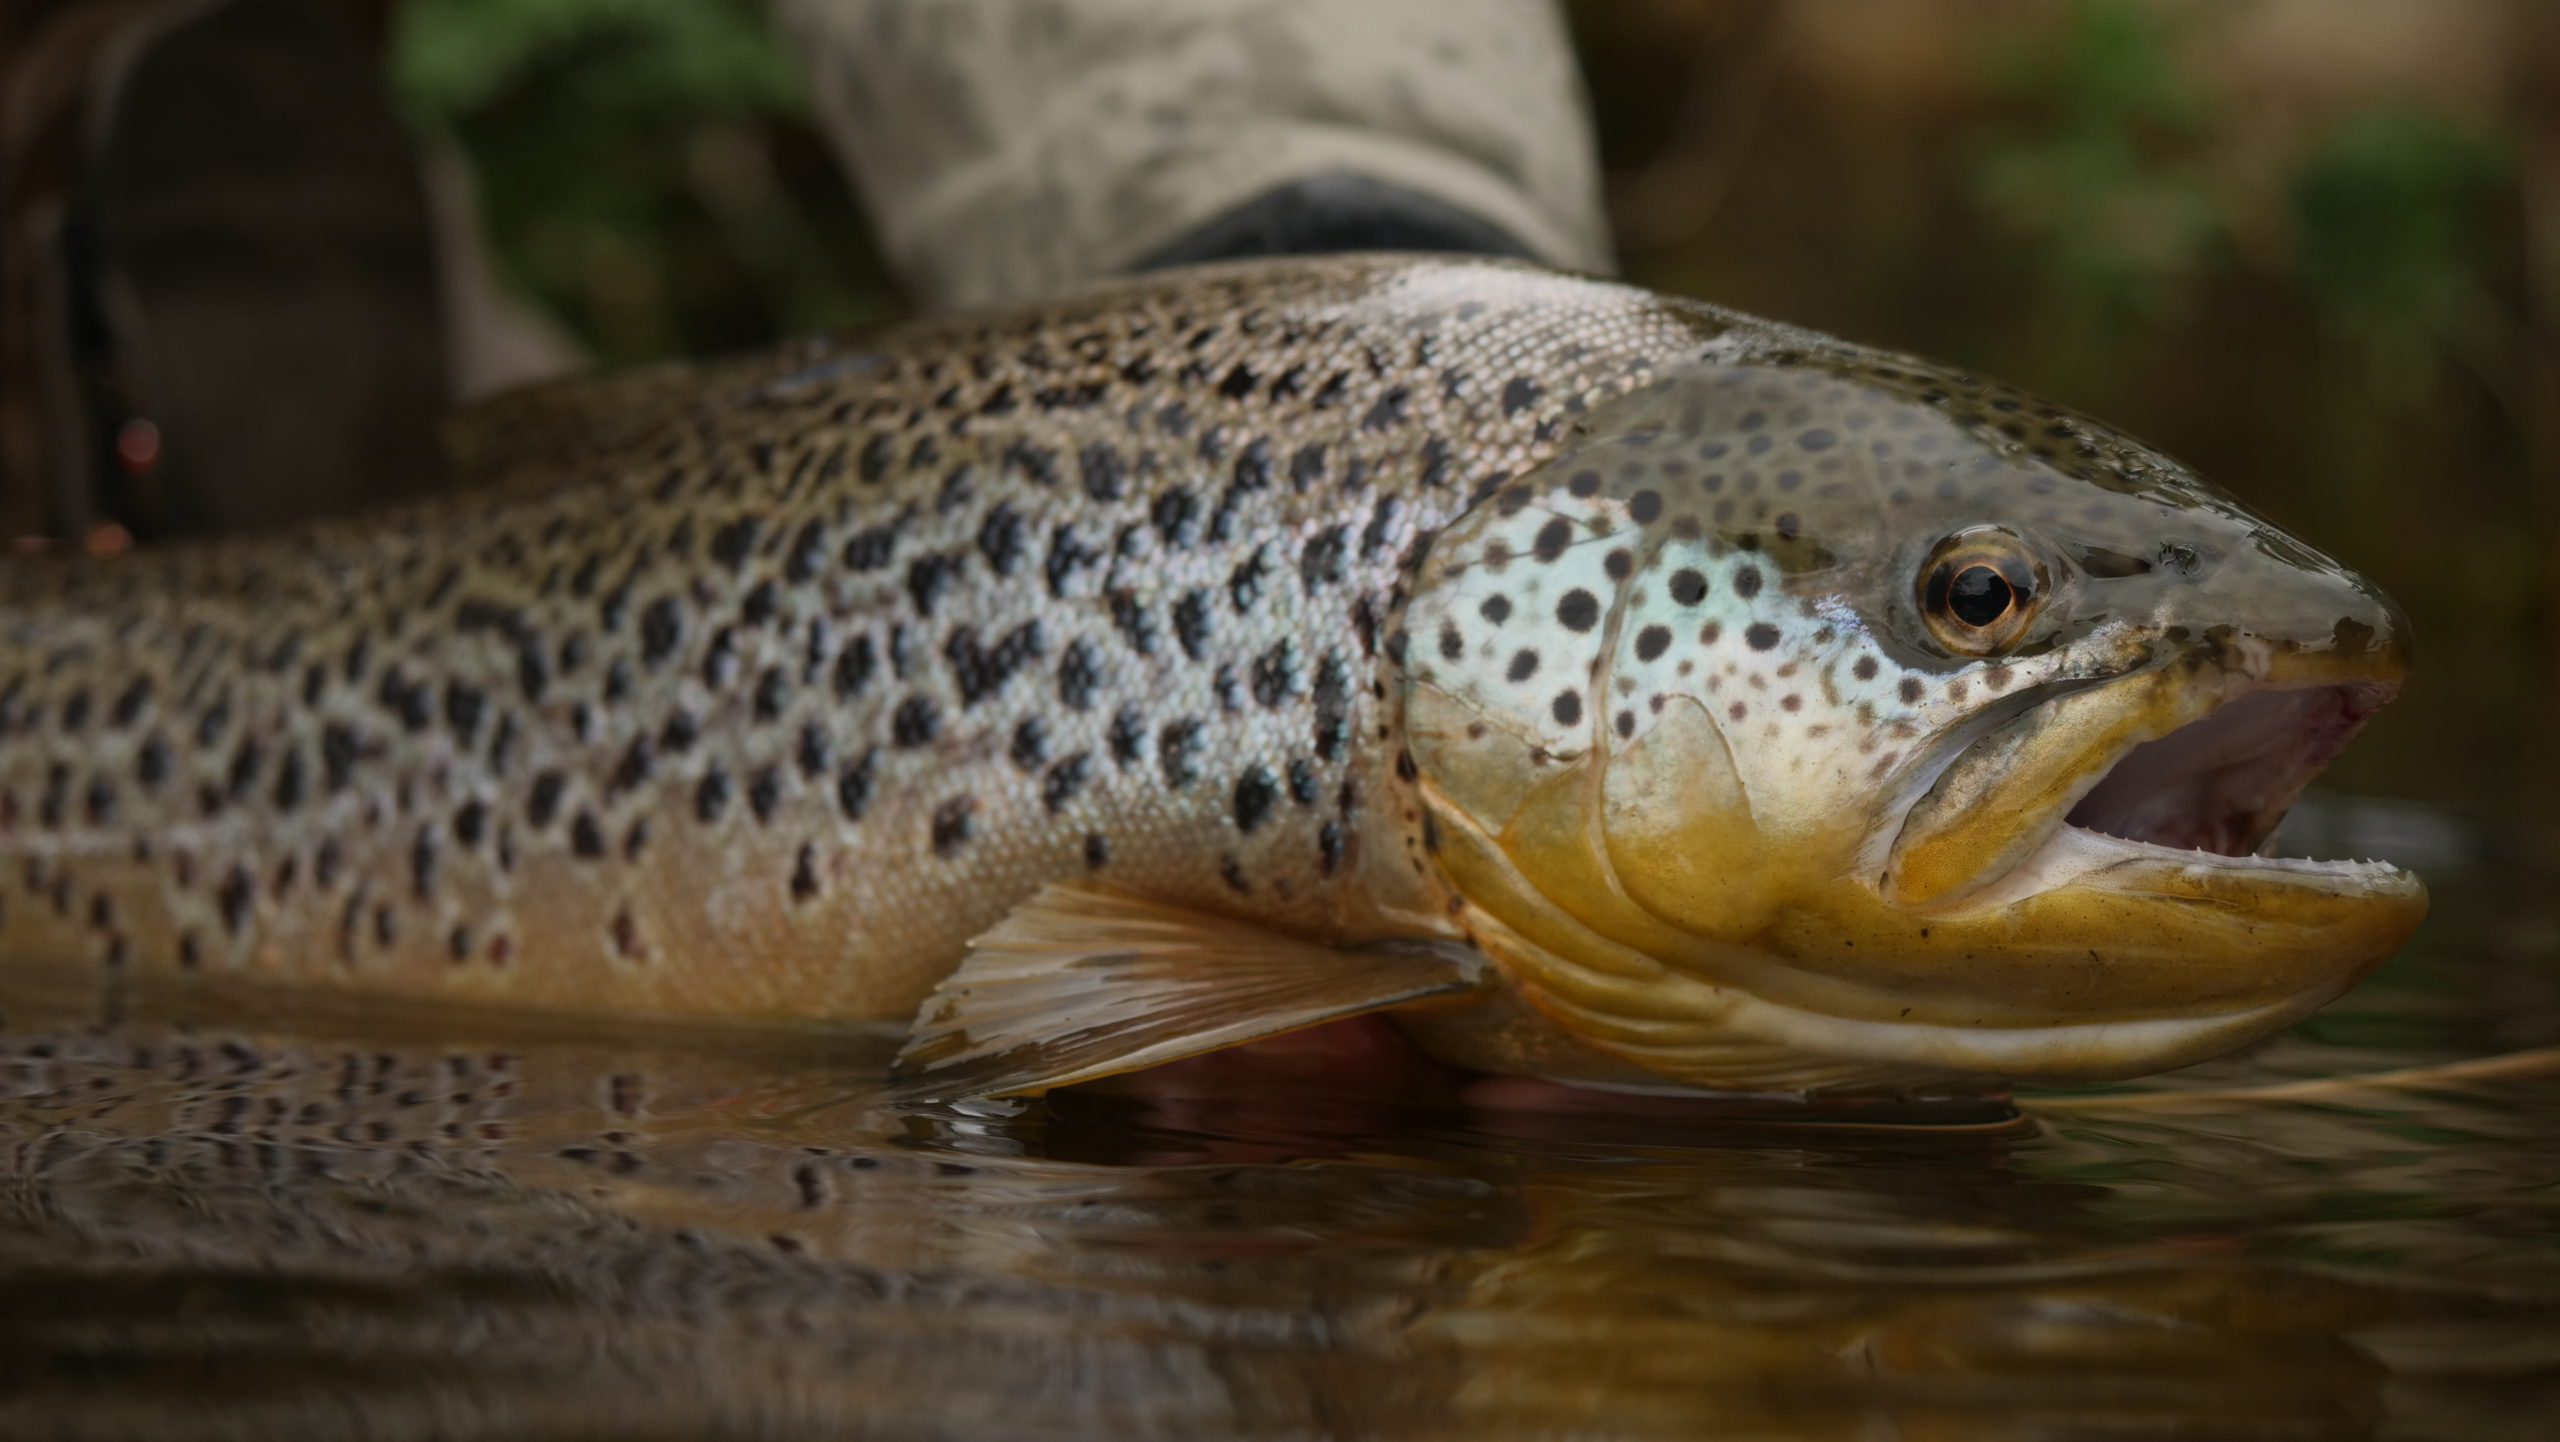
(2311, 246)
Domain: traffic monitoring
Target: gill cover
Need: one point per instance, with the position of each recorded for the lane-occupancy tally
(1675, 696)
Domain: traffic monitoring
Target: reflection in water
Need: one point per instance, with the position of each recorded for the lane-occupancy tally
(320, 1228)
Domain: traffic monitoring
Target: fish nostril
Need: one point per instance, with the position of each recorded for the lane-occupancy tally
(2105, 564)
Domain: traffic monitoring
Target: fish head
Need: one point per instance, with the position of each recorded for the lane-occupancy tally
(1818, 718)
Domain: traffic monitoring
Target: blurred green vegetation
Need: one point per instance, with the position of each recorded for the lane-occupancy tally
(2098, 174)
(647, 169)
(2389, 214)
(2101, 173)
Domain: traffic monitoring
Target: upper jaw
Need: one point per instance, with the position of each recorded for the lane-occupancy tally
(2167, 763)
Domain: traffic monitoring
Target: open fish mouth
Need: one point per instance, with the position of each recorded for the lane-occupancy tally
(2131, 774)
(2221, 783)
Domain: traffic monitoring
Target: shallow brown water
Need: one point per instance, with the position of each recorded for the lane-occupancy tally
(341, 1225)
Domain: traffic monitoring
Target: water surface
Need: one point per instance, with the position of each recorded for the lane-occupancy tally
(224, 1219)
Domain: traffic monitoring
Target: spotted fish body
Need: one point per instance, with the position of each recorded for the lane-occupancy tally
(1352, 599)
(765, 710)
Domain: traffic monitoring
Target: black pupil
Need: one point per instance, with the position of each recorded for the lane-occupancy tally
(1980, 596)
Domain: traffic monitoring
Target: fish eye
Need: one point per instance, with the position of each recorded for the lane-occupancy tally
(1979, 590)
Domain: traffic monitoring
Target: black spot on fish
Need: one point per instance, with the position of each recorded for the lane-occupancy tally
(1002, 538)
(871, 549)
(764, 792)
(543, 802)
(633, 770)
(1910, 689)
(1567, 708)
(1176, 515)
(1652, 641)
(661, 627)
(1275, 673)
(773, 694)
(1068, 554)
(289, 780)
(1579, 610)
(1761, 636)
(1178, 749)
(1191, 622)
(1436, 460)
(853, 787)
(1079, 674)
(1128, 736)
(916, 721)
(1322, 560)
(954, 822)
(1135, 623)
(1306, 467)
(1105, 473)
(1030, 743)
(1064, 780)
(808, 554)
(733, 543)
(130, 703)
(1244, 583)
(1553, 537)
(878, 454)
(236, 895)
(983, 670)
(1746, 582)
(1688, 587)
(854, 667)
(1332, 706)
(463, 707)
(1034, 463)
(151, 763)
(719, 660)
(928, 577)
(1330, 846)
(1382, 521)
(1256, 791)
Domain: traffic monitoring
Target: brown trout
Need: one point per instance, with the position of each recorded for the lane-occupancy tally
(1611, 687)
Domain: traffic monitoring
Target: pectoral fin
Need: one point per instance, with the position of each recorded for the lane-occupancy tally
(1084, 981)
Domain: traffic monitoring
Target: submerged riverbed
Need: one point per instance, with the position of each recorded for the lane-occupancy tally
(295, 1224)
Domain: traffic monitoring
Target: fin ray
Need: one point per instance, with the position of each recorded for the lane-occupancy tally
(1085, 981)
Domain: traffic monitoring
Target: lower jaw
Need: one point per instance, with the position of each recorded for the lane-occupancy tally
(2104, 1023)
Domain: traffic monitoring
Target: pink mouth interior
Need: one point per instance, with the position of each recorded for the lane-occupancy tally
(2222, 783)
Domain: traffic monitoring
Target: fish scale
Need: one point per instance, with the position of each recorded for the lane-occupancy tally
(760, 703)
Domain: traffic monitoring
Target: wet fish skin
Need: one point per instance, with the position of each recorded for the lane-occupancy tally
(763, 703)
